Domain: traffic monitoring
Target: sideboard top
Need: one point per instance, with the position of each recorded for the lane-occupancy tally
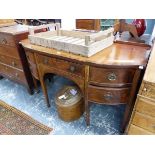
(116, 54)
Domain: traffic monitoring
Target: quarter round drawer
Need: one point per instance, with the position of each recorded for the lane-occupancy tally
(6, 39)
(104, 76)
(30, 57)
(64, 65)
(10, 61)
(34, 70)
(108, 95)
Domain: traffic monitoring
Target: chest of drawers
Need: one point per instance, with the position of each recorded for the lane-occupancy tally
(13, 62)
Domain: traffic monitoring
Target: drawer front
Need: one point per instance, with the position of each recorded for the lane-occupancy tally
(9, 51)
(135, 130)
(6, 39)
(111, 76)
(32, 64)
(148, 90)
(67, 66)
(145, 106)
(12, 73)
(11, 61)
(34, 70)
(144, 121)
(108, 95)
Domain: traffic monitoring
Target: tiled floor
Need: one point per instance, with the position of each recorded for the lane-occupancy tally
(104, 119)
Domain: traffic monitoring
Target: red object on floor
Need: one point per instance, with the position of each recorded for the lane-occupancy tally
(140, 26)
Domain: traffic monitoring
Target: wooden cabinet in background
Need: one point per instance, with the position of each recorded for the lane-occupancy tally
(142, 121)
(88, 24)
(13, 62)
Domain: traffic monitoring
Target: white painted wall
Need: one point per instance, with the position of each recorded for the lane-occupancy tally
(68, 23)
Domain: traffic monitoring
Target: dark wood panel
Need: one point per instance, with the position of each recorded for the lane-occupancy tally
(9, 51)
(11, 61)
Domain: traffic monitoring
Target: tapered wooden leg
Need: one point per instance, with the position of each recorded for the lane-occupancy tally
(35, 85)
(43, 85)
(87, 110)
(30, 91)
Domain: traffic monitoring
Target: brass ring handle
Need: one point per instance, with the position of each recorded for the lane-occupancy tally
(108, 96)
(4, 41)
(72, 68)
(112, 76)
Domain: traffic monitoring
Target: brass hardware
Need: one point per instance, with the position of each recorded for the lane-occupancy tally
(108, 96)
(72, 68)
(112, 76)
(4, 41)
(45, 61)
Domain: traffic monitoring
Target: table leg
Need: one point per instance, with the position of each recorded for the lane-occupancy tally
(1, 77)
(43, 85)
(87, 110)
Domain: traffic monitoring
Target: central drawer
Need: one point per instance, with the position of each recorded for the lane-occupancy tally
(67, 66)
(11, 61)
(108, 95)
(12, 73)
(6, 39)
(104, 76)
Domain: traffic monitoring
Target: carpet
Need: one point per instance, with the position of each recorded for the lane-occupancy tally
(15, 122)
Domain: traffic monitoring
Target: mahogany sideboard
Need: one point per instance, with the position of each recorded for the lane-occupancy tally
(142, 121)
(109, 77)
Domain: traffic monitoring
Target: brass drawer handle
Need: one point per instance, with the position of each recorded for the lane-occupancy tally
(4, 41)
(108, 96)
(45, 61)
(112, 76)
(72, 68)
